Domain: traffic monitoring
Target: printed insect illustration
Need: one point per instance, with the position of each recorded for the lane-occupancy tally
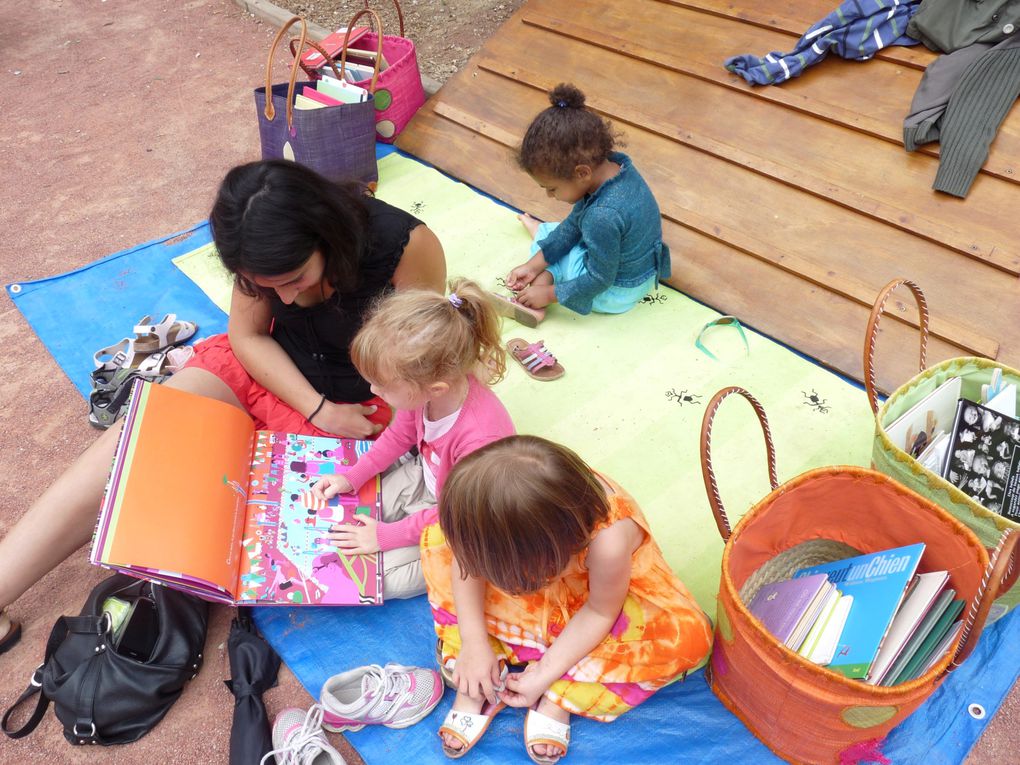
(501, 283)
(683, 397)
(654, 298)
(417, 208)
(813, 400)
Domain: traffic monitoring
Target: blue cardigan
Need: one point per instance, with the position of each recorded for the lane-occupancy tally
(620, 228)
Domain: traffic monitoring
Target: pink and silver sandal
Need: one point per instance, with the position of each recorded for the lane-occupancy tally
(535, 358)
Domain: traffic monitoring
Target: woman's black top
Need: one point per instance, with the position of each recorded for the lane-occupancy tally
(318, 338)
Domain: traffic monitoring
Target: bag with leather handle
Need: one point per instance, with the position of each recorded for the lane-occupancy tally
(101, 695)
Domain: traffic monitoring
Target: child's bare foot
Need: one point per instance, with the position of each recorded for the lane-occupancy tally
(465, 723)
(550, 753)
(531, 224)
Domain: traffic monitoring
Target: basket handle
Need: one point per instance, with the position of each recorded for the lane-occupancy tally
(378, 44)
(711, 485)
(270, 110)
(312, 71)
(872, 333)
(999, 577)
(400, 17)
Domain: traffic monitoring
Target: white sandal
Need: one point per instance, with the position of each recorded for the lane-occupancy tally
(542, 729)
(467, 727)
(150, 338)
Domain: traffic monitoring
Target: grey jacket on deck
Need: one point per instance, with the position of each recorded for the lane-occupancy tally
(948, 25)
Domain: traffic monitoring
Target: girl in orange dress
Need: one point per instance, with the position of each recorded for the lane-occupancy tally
(538, 562)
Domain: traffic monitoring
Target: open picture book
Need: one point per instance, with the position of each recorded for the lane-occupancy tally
(199, 500)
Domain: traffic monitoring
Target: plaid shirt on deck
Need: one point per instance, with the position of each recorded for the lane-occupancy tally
(856, 30)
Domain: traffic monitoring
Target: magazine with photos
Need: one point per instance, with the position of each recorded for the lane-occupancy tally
(983, 459)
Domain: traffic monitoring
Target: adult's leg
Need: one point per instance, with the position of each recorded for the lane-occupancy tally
(63, 517)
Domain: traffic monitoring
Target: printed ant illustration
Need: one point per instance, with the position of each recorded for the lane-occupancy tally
(683, 397)
(815, 402)
(654, 298)
(417, 208)
(501, 283)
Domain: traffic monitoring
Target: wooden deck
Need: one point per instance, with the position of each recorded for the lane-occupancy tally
(788, 206)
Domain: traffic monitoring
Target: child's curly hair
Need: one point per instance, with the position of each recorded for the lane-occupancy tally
(565, 135)
(420, 336)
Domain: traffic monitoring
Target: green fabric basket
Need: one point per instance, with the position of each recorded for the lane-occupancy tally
(896, 463)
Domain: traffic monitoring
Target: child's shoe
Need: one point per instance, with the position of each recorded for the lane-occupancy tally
(394, 696)
(299, 740)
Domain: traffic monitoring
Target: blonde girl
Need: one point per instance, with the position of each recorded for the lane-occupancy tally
(540, 562)
(431, 358)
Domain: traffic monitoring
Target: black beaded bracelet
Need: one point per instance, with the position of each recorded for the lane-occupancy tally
(318, 408)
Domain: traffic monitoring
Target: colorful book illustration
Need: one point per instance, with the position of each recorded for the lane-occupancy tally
(199, 500)
(820, 645)
(930, 633)
(915, 606)
(877, 581)
(784, 607)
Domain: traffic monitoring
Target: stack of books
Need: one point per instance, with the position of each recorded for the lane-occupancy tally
(974, 445)
(871, 617)
(329, 91)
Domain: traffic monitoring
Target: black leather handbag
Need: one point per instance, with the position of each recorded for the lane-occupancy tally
(104, 691)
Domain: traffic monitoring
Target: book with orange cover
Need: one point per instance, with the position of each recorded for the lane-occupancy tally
(199, 500)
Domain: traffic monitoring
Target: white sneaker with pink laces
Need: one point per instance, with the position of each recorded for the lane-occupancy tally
(394, 696)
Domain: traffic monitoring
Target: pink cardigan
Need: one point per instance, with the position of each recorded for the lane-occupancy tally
(482, 420)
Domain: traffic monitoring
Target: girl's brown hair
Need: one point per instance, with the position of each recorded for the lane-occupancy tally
(565, 135)
(421, 337)
(515, 511)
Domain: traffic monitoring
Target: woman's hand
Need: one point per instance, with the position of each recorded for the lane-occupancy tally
(347, 420)
(476, 672)
(328, 486)
(524, 689)
(356, 540)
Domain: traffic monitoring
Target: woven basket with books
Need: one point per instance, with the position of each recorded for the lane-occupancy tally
(805, 712)
(988, 515)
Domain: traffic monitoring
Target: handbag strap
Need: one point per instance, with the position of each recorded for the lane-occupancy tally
(708, 473)
(400, 16)
(64, 626)
(378, 44)
(270, 110)
(872, 333)
(1000, 575)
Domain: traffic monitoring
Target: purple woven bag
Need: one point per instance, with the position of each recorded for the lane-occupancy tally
(338, 142)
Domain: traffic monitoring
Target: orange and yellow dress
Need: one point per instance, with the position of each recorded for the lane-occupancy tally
(661, 632)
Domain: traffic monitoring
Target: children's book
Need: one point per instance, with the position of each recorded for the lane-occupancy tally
(917, 427)
(317, 95)
(930, 632)
(342, 91)
(199, 500)
(821, 642)
(304, 102)
(983, 458)
(783, 606)
(877, 581)
(332, 43)
(949, 639)
(906, 621)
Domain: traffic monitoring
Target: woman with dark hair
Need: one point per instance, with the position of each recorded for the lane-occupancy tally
(308, 257)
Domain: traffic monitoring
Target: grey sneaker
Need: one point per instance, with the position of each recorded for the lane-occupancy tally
(300, 740)
(394, 696)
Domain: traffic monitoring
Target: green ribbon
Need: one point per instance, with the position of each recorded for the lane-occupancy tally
(722, 321)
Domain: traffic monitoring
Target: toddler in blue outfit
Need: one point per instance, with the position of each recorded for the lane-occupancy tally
(608, 253)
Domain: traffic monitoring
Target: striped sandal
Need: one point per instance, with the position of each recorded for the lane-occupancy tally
(535, 358)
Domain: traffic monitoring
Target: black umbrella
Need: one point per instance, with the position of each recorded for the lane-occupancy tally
(253, 669)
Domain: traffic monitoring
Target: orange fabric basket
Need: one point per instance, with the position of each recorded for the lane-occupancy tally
(803, 712)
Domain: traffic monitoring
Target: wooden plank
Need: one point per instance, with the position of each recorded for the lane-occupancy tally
(815, 321)
(737, 238)
(795, 17)
(876, 185)
(872, 99)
